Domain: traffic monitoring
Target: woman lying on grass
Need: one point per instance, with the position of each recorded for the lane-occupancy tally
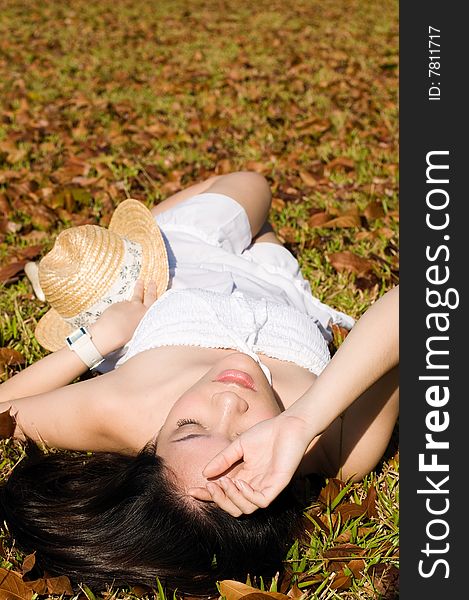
(224, 390)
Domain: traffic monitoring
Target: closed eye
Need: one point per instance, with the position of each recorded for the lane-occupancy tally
(183, 422)
(190, 437)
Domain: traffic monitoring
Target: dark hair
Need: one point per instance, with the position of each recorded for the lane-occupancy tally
(108, 518)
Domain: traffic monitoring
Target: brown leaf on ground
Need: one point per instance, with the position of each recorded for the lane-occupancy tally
(234, 590)
(12, 587)
(341, 582)
(366, 283)
(370, 502)
(347, 164)
(287, 234)
(348, 261)
(9, 356)
(385, 580)
(28, 563)
(12, 152)
(278, 204)
(56, 586)
(339, 333)
(7, 425)
(17, 259)
(385, 232)
(73, 167)
(224, 166)
(323, 526)
(140, 591)
(330, 491)
(374, 210)
(357, 565)
(338, 557)
(346, 220)
(29, 252)
(59, 585)
(344, 537)
(9, 271)
(257, 166)
(295, 592)
(311, 580)
(318, 219)
(349, 511)
(308, 179)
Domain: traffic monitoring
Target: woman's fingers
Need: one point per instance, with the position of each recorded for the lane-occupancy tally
(200, 493)
(150, 294)
(258, 499)
(139, 290)
(237, 497)
(234, 496)
(219, 497)
(224, 460)
(144, 296)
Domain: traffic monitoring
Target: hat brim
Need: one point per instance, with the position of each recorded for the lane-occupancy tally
(52, 330)
(134, 221)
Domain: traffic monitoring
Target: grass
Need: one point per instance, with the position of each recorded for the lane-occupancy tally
(152, 96)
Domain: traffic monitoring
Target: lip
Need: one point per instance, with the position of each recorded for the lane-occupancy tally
(237, 377)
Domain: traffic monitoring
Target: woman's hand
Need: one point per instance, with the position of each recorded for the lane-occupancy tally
(116, 325)
(271, 452)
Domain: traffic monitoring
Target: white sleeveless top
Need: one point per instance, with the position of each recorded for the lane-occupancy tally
(210, 319)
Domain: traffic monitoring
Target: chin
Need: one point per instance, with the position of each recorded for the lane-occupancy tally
(243, 362)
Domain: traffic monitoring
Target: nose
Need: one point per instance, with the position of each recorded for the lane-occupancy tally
(230, 402)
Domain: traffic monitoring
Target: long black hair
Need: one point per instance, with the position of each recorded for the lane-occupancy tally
(107, 518)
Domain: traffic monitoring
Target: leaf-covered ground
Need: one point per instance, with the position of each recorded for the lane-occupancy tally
(106, 100)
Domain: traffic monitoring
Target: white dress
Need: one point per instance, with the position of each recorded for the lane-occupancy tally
(226, 292)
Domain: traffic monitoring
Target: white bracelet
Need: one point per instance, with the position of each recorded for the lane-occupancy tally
(80, 342)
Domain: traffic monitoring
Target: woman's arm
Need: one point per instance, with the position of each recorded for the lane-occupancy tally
(370, 350)
(272, 450)
(43, 407)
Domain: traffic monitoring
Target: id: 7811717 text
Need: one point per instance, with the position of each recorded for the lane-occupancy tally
(434, 58)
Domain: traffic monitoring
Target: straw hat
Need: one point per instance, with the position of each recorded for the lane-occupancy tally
(91, 267)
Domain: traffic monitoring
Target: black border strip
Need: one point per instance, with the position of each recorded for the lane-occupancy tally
(433, 131)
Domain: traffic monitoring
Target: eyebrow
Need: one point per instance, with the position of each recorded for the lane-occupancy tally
(188, 437)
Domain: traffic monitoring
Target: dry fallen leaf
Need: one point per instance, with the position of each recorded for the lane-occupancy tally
(341, 582)
(346, 220)
(349, 511)
(348, 261)
(385, 580)
(370, 502)
(73, 167)
(28, 563)
(318, 219)
(330, 491)
(307, 178)
(235, 590)
(341, 161)
(10, 357)
(7, 425)
(338, 557)
(374, 210)
(287, 234)
(59, 585)
(12, 587)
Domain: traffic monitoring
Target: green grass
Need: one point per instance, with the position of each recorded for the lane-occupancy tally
(147, 93)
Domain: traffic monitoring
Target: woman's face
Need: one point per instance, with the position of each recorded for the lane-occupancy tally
(231, 397)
